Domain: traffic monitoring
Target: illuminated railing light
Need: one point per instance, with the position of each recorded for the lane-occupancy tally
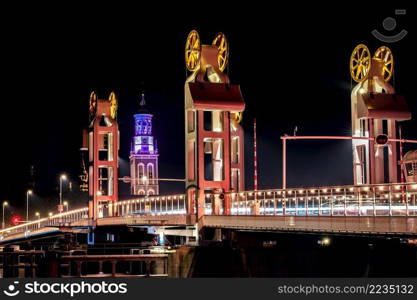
(300, 191)
(324, 190)
(312, 191)
(397, 187)
(338, 190)
(351, 189)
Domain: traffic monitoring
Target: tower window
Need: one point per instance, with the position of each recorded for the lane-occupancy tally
(141, 172)
(106, 146)
(151, 172)
(191, 120)
(213, 121)
(213, 160)
(235, 150)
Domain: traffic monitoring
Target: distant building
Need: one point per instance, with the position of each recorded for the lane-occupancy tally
(144, 155)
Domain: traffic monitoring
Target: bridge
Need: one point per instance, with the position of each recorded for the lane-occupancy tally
(215, 196)
(386, 209)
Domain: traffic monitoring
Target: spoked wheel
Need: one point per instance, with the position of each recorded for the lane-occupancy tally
(220, 42)
(360, 63)
(93, 104)
(384, 54)
(192, 51)
(113, 105)
(237, 117)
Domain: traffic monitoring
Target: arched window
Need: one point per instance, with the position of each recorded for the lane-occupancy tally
(141, 172)
(151, 172)
(151, 192)
(142, 192)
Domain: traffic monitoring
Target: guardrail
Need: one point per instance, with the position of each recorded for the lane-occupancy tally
(364, 200)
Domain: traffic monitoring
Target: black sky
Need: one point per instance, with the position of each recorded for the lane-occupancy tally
(292, 64)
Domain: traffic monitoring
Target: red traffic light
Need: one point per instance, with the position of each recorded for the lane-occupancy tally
(16, 220)
(381, 139)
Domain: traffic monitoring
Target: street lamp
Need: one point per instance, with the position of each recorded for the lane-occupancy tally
(5, 203)
(50, 214)
(66, 204)
(38, 215)
(61, 178)
(145, 181)
(29, 192)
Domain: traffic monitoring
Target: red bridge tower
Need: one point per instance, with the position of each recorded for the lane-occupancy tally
(213, 136)
(103, 146)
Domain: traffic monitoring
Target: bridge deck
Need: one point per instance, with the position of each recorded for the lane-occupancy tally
(356, 225)
(368, 209)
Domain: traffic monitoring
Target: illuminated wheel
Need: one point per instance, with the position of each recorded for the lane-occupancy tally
(360, 63)
(384, 54)
(113, 105)
(93, 104)
(220, 42)
(237, 117)
(192, 50)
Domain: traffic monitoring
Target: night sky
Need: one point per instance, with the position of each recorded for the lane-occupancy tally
(292, 64)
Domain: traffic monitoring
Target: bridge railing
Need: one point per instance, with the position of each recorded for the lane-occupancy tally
(150, 205)
(52, 221)
(365, 200)
(370, 200)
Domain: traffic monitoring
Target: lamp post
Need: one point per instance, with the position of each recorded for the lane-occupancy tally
(50, 214)
(66, 205)
(5, 203)
(29, 192)
(61, 179)
(37, 214)
(145, 181)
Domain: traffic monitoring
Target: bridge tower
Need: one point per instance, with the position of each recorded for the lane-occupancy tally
(144, 155)
(103, 146)
(213, 137)
(376, 111)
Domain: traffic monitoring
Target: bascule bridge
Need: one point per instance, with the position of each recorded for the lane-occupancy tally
(378, 203)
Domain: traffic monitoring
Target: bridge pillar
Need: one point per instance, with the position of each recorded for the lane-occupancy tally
(227, 210)
(216, 204)
(213, 109)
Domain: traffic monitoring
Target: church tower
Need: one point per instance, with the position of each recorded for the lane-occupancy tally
(144, 155)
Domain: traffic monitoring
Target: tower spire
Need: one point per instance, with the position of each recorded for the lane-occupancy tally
(142, 101)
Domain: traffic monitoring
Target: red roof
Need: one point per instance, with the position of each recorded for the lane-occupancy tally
(220, 96)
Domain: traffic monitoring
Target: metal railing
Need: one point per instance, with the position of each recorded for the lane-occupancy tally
(52, 221)
(364, 200)
(370, 200)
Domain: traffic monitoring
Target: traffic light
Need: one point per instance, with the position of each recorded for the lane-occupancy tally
(16, 220)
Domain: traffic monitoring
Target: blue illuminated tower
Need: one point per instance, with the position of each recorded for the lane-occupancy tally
(144, 155)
